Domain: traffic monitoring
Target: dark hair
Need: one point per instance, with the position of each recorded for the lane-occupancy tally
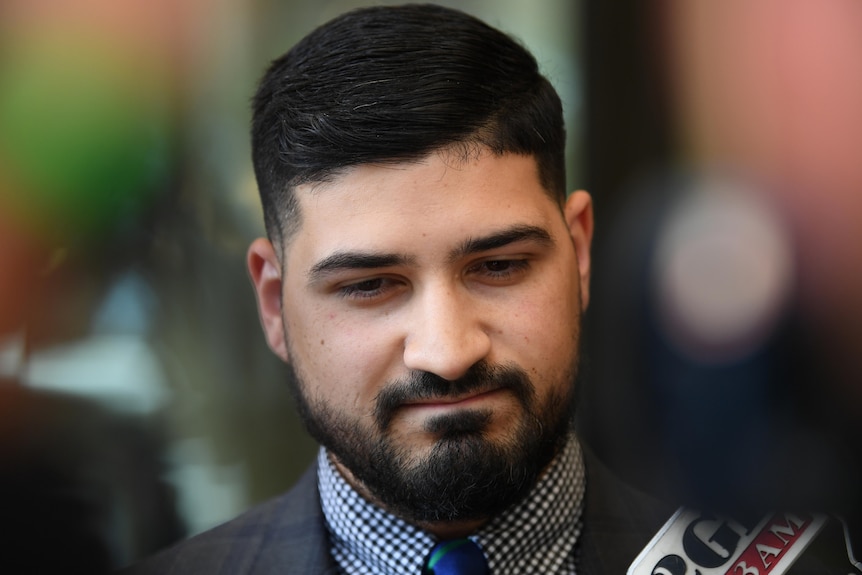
(392, 84)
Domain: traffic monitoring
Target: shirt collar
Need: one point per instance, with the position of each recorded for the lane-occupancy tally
(538, 534)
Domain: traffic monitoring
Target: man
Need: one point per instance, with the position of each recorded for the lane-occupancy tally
(423, 279)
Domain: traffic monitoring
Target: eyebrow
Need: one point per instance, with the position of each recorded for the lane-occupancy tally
(340, 261)
(519, 233)
(358, 260)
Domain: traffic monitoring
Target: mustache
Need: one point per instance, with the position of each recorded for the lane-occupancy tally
(481, 377)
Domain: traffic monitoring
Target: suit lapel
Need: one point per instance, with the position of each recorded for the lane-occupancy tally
(295, 540)
(619, 521)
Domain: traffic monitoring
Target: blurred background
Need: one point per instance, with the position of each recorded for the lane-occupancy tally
(722, 144)
(723, 349)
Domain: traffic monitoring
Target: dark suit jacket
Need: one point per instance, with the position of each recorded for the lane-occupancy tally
(287, 535)
(283, 536)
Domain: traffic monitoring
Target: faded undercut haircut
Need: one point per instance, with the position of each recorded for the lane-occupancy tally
(393, 84)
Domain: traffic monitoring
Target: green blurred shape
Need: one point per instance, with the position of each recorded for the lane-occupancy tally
(86, 133)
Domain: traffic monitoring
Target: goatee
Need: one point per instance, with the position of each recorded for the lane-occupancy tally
(466, 475)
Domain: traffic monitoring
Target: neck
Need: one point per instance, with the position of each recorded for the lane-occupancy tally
(452, 529)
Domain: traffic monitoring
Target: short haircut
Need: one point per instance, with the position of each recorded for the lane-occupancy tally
(393, 84)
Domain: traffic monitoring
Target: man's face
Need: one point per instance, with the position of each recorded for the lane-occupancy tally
(430, 314)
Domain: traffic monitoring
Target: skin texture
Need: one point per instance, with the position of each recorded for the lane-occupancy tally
(388, 276)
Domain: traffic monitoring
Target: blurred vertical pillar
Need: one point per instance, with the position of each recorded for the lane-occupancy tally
(628, 126)
(628, 134)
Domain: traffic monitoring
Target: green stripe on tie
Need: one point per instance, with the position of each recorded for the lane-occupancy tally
(441, 551)
(456, 557)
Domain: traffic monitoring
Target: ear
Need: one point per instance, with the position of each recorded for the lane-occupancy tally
(265, 271)
(579, 217)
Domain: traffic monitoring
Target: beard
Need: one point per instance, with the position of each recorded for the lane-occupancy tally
(465, 475)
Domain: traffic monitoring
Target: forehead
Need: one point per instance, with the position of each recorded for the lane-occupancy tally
(442, 195)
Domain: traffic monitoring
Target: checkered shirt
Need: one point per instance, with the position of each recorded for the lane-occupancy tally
(537, 535)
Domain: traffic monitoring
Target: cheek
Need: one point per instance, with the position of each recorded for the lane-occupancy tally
(345, 360)
(555, 349)
(553, 309)
(544, 329)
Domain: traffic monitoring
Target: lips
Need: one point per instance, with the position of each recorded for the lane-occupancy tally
(453, 401)
(427, 391)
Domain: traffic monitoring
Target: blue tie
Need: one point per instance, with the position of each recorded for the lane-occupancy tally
(456, 557)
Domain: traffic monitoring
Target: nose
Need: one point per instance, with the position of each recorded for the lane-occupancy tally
(446, 336)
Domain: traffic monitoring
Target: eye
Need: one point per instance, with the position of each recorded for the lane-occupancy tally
(500, 269)
(499, 266)
(367, 289)
(364, 288)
